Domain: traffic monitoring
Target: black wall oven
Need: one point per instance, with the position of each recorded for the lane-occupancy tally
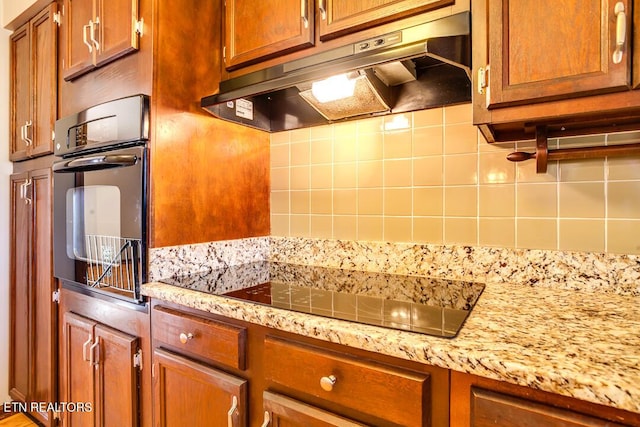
(100, 199)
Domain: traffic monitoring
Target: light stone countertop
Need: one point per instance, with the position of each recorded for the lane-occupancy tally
(579, 344)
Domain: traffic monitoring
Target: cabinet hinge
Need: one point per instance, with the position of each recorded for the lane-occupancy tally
(137, 359)
(55, 296)
(224, 52)
(140, 27)
(483, 79)
(56, 18)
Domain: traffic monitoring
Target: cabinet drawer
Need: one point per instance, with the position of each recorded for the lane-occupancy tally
(217, 341)
(394, 395)
(490, 409)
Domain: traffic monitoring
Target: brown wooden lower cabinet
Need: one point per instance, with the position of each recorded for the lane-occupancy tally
(189, 393)
(282, 411)
(482, 402)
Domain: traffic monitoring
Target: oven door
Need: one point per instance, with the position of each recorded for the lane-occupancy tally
(100, 222)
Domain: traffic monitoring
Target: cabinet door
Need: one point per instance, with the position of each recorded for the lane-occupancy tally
(20, 108)
(44, 45)
(78, 49)
(116, 378)
(264, 29)
(339, 17)
(285, 412)
(115, 29)
(19, 369)
(555, 49)
(43, 310)
(180, 385)
(76, 368)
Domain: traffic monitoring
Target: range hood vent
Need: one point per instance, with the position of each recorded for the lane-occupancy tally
(420, 67)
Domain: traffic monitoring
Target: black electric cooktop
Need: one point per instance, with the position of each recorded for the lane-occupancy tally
(410, 303)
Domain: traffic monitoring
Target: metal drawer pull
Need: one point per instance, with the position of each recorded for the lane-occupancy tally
(234, 407)
(323, 9)
(84, 349)
(93, 33)
(621, 31)
(84, 35)
(26, 184)
(184, 337)
(327, 383)
(23, 133)
(267, 419)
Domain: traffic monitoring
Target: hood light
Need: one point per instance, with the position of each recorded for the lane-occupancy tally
(333, 88)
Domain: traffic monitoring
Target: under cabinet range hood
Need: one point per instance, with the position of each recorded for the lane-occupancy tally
(420, 67)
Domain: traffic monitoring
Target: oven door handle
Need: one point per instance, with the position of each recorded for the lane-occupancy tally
(93, 163)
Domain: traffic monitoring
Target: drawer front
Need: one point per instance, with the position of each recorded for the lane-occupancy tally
(391, 394)
(216, 341)
(490, 409)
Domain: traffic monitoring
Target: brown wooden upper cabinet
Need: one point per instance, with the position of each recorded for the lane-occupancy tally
(256, 31)
(98, 32)
(33, 86)
(562, 64)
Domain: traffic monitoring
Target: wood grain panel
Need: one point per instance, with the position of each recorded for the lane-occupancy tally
(20, 102)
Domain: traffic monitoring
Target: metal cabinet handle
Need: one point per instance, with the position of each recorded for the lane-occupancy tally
(26, 138)
(234, 407)
(323, 9)
(185, 336)
(621, 31)
(304, 13)
(92, 33)
(85, 348)
(23, 134)
(267, 419)
(327, 383)
(92, 359)
(26, 184)
(84, 35)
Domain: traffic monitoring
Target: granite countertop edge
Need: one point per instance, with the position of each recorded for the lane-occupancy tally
(570, 343)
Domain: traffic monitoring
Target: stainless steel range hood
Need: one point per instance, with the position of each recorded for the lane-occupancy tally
(420, 67)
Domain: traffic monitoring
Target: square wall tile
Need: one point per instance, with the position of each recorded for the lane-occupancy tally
(397, 229)
(321, 201)
(623, 199)
(537, 200)
(462, 113)
(345, 149)
(300, 202)
(370, 174)
(300, 177)
(279, 155)
(370, 201)
(370, 228)
(537, 233)
(430, 117)
(280, 179)
(461, 169)
(526, 172)
(582, 170)
(427, 230)
(428, 171)
(321, 151)
(300, 135)
(321, 176)
(321, 132)
(397, 201)
(300, 153)
(397, 173)
(428, 201)
(371, 125)
(280, 225)
(279, 138)
(497, 200)
(497, 232)
(299, 225)
(280, 202)
(370, 146)
(623, 236)
(321, 226)
(623, 168)
(345, 202)
(344, 175)
(496, 169)
(460, 138)
(428, 141)
(397, 145)
(345, 227)
(460, 231)
(583, 235)
(581, 200)
(461, 201)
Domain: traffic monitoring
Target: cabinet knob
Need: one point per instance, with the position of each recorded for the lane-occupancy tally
(327, 383)
(184, 337)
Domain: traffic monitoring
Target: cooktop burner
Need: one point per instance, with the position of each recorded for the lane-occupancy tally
(411, 303)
